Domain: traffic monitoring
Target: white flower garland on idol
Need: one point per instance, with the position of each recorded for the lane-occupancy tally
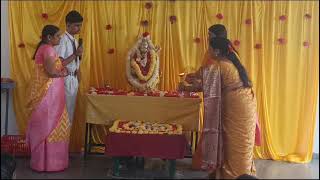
(133, 71)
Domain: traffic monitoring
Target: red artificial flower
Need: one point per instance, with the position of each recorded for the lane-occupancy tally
(21, 45)
(197, 40)
(236, 42)
(108, 27)
(44, 15)
(111, 51)
(173, 19)
(282, 18)
(144, 23)
(308, 16)
(258, 46)
(306, 44)
(219, 16)
(248, 21)
(148, 5)
(282, 40)
(145, 34)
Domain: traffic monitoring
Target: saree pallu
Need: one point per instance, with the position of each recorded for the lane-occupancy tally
(209, 153)
(48, 126)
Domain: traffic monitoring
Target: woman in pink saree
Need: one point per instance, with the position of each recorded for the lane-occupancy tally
(48, 126)
(228, 136)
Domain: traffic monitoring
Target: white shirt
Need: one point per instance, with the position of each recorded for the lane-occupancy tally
(65, 49)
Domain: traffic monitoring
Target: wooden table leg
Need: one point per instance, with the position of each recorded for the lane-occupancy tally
(172, 167)
(86, 142)
(192, 143)
(90, 139)
(197, 139)
(7, 110)
(140, 162)
(116, 166)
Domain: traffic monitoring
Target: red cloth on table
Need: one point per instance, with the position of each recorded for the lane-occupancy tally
(146, 145)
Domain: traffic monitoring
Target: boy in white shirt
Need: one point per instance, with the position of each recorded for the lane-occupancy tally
(70, 53)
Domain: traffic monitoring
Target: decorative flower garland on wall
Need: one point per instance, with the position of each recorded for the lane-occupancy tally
(143, 72)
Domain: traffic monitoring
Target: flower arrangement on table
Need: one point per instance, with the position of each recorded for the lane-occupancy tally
(111, 91)
(139, 127)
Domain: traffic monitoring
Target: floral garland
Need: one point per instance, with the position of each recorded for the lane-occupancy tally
(139, 127)
(134, 74)
(137, 69)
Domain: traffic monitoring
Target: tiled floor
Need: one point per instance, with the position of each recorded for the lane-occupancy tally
(99, 167)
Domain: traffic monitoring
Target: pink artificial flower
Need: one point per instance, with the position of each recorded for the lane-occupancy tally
(219, 16)
(236, 42)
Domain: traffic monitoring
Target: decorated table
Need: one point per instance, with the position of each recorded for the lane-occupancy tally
(146, 140)
(105, 105)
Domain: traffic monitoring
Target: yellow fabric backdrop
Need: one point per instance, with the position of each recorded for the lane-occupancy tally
(285, 76)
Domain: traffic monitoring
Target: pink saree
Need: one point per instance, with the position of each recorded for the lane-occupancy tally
(48, 129)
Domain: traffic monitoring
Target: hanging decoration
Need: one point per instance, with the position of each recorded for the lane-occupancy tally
(258, 46)
(236, 42)
(248, 21)
(173, 19)
(197, 40)
(108, 27)
(45, 16)
(219, 16)
(111, 51)
(144, 23)
(307, 16)
(148, 5)
(21, 45)
(306, 44)
(282, 18)
(282, 40)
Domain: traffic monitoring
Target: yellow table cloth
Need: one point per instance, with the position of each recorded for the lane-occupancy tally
(105, 109)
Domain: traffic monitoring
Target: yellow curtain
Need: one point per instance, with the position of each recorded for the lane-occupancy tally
(285, 75)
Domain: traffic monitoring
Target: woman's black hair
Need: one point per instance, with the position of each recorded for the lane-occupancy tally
(47, 30)
(224, 45)
(220, 30)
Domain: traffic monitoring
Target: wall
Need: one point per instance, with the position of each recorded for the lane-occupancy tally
(316, 139)
(5, 71)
